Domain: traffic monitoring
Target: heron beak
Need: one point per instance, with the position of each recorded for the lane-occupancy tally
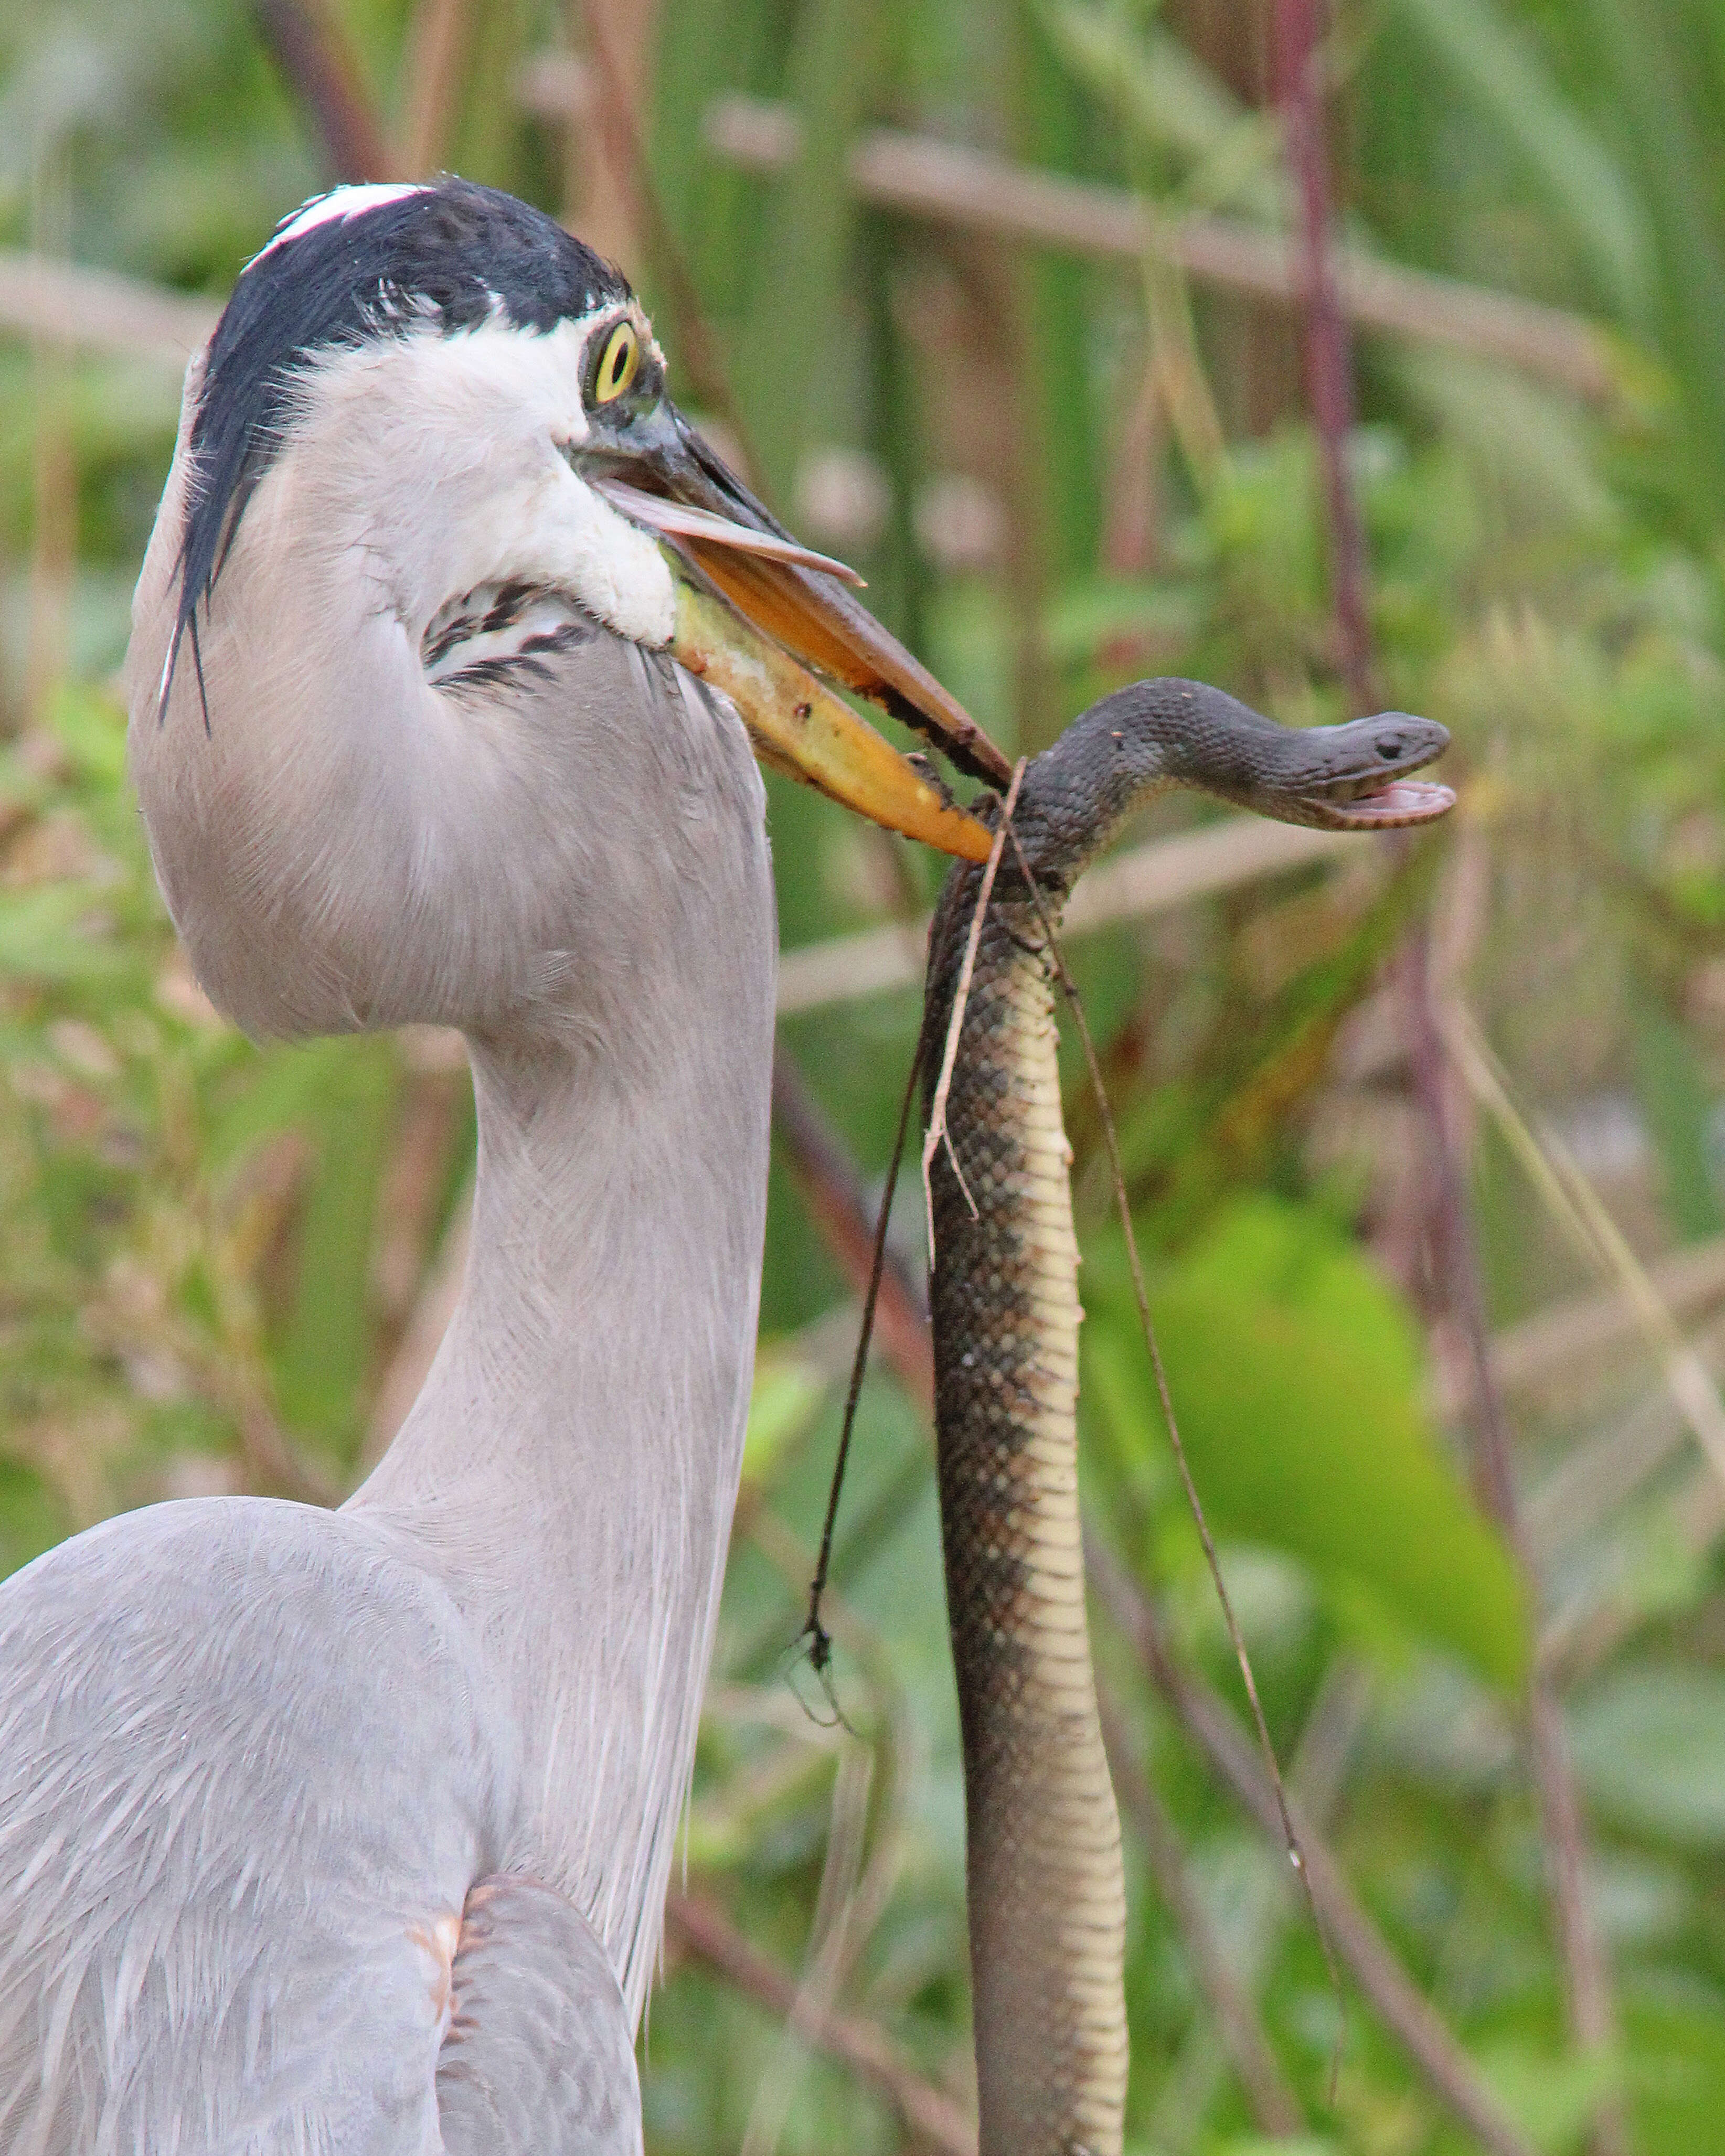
(772, 624)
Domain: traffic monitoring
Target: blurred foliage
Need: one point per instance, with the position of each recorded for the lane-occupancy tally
(219, 1262)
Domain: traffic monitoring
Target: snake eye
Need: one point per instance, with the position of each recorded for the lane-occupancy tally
(618, 362)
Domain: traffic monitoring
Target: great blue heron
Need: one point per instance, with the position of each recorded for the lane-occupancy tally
(349, 1831)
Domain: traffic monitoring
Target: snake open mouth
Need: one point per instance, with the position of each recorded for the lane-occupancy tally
(1403, 801)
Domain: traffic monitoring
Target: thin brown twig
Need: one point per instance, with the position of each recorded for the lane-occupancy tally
(820, 1646)
(701, 1926)
(937, 1132)
(1397, 2002)
(1274, 2105)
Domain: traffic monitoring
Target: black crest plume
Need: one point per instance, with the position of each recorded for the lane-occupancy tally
(443, 257)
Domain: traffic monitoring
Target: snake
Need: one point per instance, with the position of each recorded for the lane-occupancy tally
(1045, 1883)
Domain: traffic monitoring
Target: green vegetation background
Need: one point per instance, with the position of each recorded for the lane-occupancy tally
(220, 1265)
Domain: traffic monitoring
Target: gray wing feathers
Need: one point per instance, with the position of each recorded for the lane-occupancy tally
(247, 1766)
(539, 2059)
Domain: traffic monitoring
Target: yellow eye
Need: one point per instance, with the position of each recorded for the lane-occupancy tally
(618, 363)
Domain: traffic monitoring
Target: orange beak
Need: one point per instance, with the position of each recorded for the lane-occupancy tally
(772, 624)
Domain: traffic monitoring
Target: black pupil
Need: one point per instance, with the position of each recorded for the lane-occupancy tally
(615, 361)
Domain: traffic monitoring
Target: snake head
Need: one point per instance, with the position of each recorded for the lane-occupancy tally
(1125, 750)
(1357, 777)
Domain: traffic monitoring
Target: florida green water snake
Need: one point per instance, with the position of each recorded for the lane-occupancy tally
(1046, 1895)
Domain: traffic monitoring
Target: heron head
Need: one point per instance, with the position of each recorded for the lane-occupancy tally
(429, 445)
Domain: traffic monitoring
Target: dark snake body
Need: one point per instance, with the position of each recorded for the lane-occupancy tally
(1046, 1895)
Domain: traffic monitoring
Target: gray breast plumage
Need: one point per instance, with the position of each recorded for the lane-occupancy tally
(229, 1897)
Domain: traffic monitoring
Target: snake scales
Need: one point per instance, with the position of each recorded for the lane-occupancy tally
(1046, 1897)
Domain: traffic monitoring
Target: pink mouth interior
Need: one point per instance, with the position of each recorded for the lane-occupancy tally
(1403, 801)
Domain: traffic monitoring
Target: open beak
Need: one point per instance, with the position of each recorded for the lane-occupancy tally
(773, 624)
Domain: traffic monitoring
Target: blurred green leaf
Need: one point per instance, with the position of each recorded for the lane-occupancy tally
(797, 304)
(32, 1519)
(322, 1345)
(788, 1395)
(1680, 1104)
(1676, 2039)
(1650, 1743)
(91, 729)
(1083, 615)
(53, 934)
(1498, 68)
(1159, 88)
(1297, 1380)
(1552, 2099)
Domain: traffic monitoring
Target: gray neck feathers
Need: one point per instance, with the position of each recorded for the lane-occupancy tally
(571, 1464)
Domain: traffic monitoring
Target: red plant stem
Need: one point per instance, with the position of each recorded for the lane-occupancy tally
(1329, 359)
(1450, 1228)
(312, 48)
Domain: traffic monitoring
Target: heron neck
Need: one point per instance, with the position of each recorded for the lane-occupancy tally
(572, 1462)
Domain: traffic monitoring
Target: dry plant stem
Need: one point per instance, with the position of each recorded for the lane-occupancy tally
(309, 47)
(439, 39)
(1236, 1639)
(1578, 1209)
(1586, 1976)
(944, 183)
(1275, 2108)
(275, 1463)
(827, 1957)
(937, 1132)
(699, 1925)
(101, 310)
(54, 545)
(54, 478)
(1330, 377)
(854, 1890)
(601, 189)
(1598, 1475)
(947, 182)
(626, 155)
(1689, 1283)
(1393, 1996)
(1131, 885)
